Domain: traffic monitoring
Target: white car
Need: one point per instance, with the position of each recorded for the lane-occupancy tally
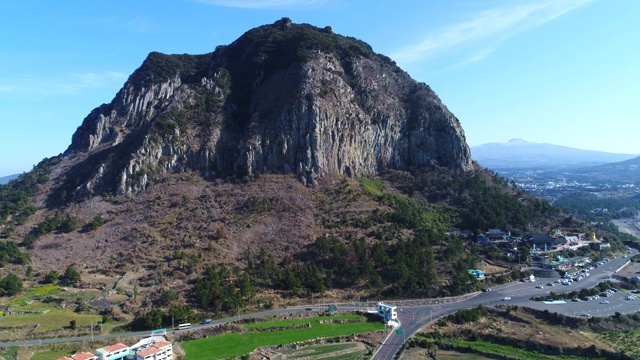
(586, 315)
(506, 298)
(604, 302)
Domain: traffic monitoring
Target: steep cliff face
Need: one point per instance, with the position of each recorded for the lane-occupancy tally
(281, 98)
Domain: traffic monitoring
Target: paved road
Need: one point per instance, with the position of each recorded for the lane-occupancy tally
(413, 318)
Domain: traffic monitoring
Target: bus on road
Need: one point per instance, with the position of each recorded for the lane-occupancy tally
(184, 326)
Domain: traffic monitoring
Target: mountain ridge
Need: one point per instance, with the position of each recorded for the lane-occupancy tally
(518, 153)
(622, 172)
(5, 179)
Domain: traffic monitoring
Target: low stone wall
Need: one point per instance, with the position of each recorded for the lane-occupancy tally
(273, 351)
(341, 321)
(278, 328)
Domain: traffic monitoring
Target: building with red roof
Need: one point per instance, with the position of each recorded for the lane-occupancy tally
(162, 350)
(113, 352)
(80, 356)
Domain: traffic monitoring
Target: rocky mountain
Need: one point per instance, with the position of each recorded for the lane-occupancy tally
(518, 153)
(282, 98)
(292, 161)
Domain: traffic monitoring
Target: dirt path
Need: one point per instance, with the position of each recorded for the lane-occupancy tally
(127, 281)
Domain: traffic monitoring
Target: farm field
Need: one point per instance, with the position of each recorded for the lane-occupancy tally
(346, 350)
(48, 320)
(238, 344)
(32, 314)
(282, 323)
(524, 333)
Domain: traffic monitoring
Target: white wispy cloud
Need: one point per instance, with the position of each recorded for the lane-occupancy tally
(137, 24)
(265, 4)
(486, 29)
(69, 84)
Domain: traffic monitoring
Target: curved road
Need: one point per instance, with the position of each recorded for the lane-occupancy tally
(414, 317)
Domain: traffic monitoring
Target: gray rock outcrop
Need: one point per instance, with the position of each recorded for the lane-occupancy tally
(330, 109)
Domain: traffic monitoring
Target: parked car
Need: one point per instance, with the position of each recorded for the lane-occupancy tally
(506, 298)
(539, 287)
(586, 315)
(604, 302)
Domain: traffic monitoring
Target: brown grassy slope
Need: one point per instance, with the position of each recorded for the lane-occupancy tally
(183, 217)
(522, 326)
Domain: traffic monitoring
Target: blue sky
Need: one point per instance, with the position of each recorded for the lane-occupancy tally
(559, 71)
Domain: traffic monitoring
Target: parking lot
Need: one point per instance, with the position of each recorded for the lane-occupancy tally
(605, 304)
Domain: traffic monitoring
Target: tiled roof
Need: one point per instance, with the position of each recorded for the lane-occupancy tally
(146, 352)
(162, 344)
(116, 347)
(83, 356)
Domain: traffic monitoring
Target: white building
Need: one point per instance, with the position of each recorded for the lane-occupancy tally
(113, 352)
(159, 351)
(387, 312)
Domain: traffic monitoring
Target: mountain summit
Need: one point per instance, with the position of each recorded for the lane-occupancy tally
(282, 98)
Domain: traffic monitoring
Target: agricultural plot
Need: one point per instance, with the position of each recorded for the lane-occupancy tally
(511, 351)
(51, 354)
(35, 292)
(56, 319)
(238, 344)
(342, 351)
(28, 315)
(291, 322)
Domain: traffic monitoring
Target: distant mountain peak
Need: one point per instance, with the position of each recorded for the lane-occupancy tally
(518, 153)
